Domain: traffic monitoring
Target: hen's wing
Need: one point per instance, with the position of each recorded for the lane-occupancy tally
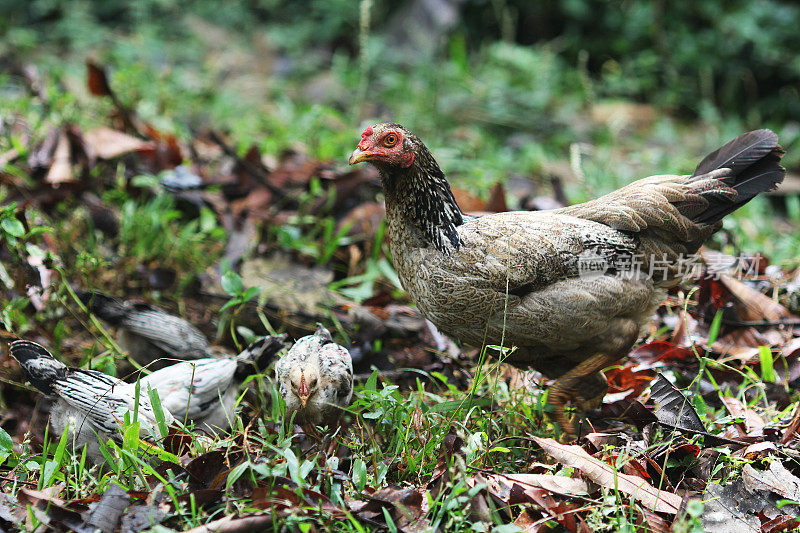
(171, 334)
(519, 252)
(175, 336)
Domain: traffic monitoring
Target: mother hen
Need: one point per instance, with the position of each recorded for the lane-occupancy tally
(569, 288)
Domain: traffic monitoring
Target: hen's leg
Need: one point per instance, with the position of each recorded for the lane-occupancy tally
(569, 388)
(582, 384)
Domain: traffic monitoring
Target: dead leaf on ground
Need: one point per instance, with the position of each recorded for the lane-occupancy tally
(673, 408)
(607, 476)
(107, 143)
(738, 410)
(61, 167)
(775, 479)
(566, 486)
(752, 305)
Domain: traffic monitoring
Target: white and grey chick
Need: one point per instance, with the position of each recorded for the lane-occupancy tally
(146, 332)
(93, 404)
(203, 392)
(316, 378)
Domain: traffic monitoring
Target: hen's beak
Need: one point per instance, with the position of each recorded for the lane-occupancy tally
(358, 156)
(302, 391)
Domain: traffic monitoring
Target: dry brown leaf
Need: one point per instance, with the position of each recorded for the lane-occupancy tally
(757, 451)
(791, 348)
(107, 143)
(497, 199)
(566, 486)
(468, 202)
(752, 305)
(607, 476)
(776, 479)
(61, 168)
(751, 419)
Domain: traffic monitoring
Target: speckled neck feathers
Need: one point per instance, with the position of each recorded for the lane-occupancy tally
(421, 196)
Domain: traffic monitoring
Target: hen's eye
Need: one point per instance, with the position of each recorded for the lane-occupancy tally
(390, 140)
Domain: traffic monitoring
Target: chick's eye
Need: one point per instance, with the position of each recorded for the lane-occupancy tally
(390, 139)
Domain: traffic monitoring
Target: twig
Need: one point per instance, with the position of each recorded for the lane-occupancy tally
(250, 168)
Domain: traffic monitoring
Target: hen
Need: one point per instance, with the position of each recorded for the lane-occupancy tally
(315, 378)
(203, 392)
(146, 332)
(90, 402)
(569, 288)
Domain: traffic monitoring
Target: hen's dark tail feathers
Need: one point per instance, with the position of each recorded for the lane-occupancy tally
(107, 308)
(754, 159)
(261, 352)
(41, 367)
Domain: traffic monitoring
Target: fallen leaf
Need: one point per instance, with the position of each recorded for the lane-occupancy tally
(662, 352)
(738, 410)
(61, 167)
(566, 486)
(106, 143)
(751, 304)
(497, 199)
(106, 514)
(673, 408)
(96, 80)
(776, 479)
(607, 476)
(468, 202)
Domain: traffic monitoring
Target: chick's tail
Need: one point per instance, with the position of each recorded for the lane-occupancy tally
(42, 369)
(106, 307)
(260, 352)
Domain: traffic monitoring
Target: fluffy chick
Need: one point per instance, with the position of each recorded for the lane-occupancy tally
(204, 392)
(316, 378)
(91, 403)
(147, 332)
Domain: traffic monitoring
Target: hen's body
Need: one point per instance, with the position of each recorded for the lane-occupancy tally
(519, 278)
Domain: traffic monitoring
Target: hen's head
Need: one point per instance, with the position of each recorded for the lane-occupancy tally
(387, 145)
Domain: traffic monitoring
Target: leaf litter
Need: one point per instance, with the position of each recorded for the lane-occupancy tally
(725, 438)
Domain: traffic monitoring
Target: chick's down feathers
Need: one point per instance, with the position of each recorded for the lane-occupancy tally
(90, 402)
(203, 392)
(148, 332)
(316, 378)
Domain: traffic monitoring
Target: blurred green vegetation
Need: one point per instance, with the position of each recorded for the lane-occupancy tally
(613, 91)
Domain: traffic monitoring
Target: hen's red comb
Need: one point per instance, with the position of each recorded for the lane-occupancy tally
(367, 132)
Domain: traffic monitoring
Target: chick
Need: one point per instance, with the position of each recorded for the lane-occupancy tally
(147, 332)
(91, 403)
(316, 378)
(204, 392)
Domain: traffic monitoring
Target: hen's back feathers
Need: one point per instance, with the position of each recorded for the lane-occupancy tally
(261, 352)
(85, 396)
(673, 215)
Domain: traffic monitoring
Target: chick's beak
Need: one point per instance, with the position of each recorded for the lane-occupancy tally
(302, 391)
(359, 155)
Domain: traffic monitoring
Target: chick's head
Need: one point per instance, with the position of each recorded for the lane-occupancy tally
(315, 378)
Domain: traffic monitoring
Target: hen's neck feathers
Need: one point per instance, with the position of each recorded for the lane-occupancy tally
(421, 197)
